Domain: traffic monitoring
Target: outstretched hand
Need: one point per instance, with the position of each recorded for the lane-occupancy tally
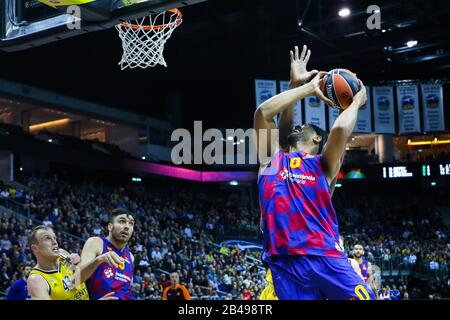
(111, 258)
(299, 74)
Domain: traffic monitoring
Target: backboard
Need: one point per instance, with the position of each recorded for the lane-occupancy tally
(26, 24)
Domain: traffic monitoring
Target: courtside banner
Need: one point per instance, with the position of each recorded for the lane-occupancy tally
(333, 113)
(315, 112)
(264, 90)
(364, 121)
(408, 109)
(383, 109)
(433, 107)
(298, 117)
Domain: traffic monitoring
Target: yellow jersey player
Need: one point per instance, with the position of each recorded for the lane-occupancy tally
(53, 276)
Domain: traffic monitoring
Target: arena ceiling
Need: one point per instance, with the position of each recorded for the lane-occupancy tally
(222, 46)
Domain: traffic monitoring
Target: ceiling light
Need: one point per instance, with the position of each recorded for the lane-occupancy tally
(411, 43)
(344, 12)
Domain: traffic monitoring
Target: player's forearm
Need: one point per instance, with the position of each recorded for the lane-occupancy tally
(347, 120)
(284, 101)
(286, 124)
(87, 269)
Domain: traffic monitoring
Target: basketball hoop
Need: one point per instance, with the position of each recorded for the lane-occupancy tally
(143, 40)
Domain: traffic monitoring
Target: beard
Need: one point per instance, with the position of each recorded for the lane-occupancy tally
(118, 237)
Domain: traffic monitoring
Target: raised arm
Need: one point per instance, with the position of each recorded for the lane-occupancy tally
(92, 257)
(298, 76)
(92, 248)
(263, 117)
(340, 133)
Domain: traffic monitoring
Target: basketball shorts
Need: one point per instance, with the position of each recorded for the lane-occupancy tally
(316, 278)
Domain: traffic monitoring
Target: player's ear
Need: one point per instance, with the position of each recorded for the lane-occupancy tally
(317, 139)
(110, 226)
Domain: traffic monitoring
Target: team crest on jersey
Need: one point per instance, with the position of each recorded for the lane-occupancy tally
(108, 273)
(294, 163)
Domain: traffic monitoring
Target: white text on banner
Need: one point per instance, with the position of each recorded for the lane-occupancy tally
(264, 90)
(408, 109)
(433, 107)
(364, 121)
(383, 109)
(315, 112)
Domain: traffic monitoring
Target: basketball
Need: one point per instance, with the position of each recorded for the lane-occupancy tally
(340, 86)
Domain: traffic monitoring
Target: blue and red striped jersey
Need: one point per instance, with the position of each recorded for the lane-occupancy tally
(116, 278)
(297, 213)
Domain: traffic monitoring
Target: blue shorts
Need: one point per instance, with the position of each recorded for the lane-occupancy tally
(317, 278)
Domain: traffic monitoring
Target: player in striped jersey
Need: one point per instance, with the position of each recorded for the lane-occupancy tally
(301, 235)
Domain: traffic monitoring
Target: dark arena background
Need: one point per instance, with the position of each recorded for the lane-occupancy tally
(79, 137)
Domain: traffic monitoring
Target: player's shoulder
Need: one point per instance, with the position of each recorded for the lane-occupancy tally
(94, 242)
(35, 279)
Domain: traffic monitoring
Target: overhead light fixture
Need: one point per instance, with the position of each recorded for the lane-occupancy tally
(353, 139)
(143, 158)
(384, 30)
(411, 43)
(344, 12)
(424, 143)
(230, 138)
(48, 124)
(233, 183)
(50, 140)
(241, 141)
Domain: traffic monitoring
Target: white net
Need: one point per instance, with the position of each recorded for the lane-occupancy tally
(143, 40)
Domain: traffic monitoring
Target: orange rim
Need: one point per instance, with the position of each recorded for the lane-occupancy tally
(177, 22)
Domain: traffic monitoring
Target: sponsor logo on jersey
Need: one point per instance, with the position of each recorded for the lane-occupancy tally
(296, 177)
(108, 273)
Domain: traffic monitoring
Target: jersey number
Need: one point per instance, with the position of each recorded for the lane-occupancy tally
(295, 163)
(362, 293)
(66, 283)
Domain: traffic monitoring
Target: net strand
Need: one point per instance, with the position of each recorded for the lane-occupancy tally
(143, 40)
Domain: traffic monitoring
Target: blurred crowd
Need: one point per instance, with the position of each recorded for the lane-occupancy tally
(178, 230)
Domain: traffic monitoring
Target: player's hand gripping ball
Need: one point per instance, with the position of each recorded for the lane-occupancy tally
(340, 86)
